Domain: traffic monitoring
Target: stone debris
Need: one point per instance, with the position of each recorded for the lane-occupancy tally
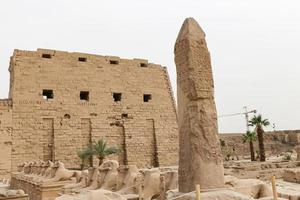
(7, 193)
(288, 190)
(11, 193)
(99, 194)
(277, 143)
(286, 173)
(291, 175)
(251, 187)
(211, 195)
(265, 170)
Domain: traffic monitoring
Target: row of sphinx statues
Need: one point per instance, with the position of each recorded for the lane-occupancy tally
(45, 171)
(110, 178)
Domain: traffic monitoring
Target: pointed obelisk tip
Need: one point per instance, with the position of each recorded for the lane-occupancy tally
(190, 29)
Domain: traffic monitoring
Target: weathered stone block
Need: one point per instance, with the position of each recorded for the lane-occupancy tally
(292, 175)
(43, 191)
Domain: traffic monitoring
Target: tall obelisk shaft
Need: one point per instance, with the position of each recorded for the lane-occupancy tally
(200, 160)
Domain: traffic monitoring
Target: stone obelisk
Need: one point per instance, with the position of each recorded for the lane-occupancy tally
(200, 160)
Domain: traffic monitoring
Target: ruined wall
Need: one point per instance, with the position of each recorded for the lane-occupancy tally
(5, 137)
(275, 142)
(82, 106)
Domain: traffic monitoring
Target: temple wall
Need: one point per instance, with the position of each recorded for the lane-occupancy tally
(5, 137)
(129, 103)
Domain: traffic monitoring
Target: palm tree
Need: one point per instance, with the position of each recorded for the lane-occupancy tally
(84, 155)
(101, 150)
(250, 137)
(259, 123)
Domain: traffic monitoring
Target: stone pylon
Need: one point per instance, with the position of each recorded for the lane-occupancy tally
(200, 157)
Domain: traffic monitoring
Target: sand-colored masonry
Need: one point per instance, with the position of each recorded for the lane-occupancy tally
(61, 101)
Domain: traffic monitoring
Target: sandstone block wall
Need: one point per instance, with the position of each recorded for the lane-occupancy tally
(5, 137)
(275, 142)
(127, 102)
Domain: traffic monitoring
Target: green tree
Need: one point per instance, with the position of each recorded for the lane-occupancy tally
(250, 137)
(101, 150)
(259, 123)
(84, 155)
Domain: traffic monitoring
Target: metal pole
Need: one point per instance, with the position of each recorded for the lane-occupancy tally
(247, 118)
(246, 113)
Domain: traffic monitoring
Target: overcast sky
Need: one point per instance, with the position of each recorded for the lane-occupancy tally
(254, 44)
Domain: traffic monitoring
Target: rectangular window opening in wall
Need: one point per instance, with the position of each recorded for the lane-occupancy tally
(46, 55)
(143, 65)
(84, 95)
(82, 59)
(147, 97)
(48, 94)
(124, 115)
(117, 96)
(113, 62)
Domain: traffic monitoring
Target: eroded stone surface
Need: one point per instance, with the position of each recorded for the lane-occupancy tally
(200, 159)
